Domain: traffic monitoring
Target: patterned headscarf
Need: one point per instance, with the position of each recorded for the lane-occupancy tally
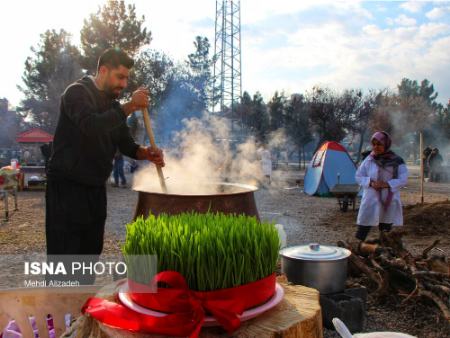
(383, 138)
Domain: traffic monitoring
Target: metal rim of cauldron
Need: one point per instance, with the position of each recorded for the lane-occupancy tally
(237, 202)
(250, 188)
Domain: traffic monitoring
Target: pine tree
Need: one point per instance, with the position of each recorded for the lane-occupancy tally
(200, 77)
(277, 111)
(114, 25)
(53, 65)
(259, 118)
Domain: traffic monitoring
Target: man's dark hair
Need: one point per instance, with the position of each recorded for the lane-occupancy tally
(113, 58)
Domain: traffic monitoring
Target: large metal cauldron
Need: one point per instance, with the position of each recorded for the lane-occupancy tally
(232, 198)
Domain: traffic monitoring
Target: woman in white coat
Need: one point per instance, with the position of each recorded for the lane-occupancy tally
(381, 175)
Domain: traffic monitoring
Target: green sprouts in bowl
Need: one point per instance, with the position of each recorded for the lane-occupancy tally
(211, 251)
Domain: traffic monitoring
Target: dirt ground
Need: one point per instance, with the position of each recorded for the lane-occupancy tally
(305, 219)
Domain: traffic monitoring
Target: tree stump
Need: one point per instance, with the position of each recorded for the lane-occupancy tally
(298, 315)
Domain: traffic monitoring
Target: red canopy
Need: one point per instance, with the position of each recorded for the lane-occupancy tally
(35, 135)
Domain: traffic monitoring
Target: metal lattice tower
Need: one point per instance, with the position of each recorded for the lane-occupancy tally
(227, 52)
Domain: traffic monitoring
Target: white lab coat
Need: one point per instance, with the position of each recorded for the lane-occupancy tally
(371, 211)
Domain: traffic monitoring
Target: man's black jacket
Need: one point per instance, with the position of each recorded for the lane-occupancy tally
(90, 128)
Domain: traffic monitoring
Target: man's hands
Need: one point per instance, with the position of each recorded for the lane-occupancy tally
(377, 185)
(151, 154)
(139, 100)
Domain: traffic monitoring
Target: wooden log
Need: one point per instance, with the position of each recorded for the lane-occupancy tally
(439, 264)
(438, 289)
(393, 240)
(431, 274)
(298, 315)
(441, 305)
(358, 264)
(395, 269)
(429, 248)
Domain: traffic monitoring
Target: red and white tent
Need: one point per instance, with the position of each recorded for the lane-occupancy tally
(328, 163)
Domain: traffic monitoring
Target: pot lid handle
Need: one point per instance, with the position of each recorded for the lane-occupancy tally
(314, 246)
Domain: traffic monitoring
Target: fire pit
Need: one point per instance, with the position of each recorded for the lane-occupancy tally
(229, 198)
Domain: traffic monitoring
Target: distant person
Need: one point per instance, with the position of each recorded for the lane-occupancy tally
(134, 166)
(285, 158)
(46, 150)
(266, 163)
(26, 157)
(118, 171)
(381, 175)
(435, 164)
(425, 154)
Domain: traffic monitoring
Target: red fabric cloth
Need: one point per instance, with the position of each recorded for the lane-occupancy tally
(186, 308)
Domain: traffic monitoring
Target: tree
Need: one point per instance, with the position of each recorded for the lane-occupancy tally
(255, 117)
(54, 65)
(381, 118)
(297, 123)
(9, 126)
(185, 89)
(276, 108)
(411, 110)
(411, 89)
(417, 105)
(177, 91)
(360, 109)
(244, 109)
(154, 70)
(433, 120)
(260, 117)
(200, 64)
(114, 25)
(441, 125)
(328, 116)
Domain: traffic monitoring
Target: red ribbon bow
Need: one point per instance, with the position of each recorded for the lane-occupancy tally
(186, 308)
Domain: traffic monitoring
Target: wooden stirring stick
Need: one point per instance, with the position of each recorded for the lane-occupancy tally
(148, 127)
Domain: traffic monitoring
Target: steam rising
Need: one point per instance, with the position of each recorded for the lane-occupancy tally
(203, 153)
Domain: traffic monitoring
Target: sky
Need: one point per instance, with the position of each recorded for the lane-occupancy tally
(287, 45)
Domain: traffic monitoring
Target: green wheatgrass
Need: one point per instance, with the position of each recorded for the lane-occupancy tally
(212, 251)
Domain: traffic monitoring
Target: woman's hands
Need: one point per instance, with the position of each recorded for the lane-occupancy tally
(377, 185)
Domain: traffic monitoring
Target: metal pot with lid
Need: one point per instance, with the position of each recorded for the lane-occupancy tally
(318, 266)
